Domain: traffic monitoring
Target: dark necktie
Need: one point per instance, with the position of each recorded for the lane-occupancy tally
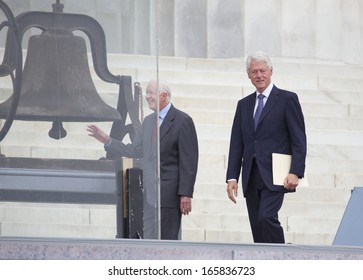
(154, 132)
(259, 109)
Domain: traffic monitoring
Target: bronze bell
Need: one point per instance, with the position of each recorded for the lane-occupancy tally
(57, 85)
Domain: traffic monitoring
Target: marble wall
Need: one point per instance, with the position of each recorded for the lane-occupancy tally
(313, 29)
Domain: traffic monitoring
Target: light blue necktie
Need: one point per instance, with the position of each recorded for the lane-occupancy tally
(259, 109)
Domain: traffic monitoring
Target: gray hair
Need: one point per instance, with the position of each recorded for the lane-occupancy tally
(260, 57)
(164, 87)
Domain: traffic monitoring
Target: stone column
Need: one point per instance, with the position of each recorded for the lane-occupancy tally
(322, 29)
(225, 32)
(166, 27)
(263, 22)
(329, 29)
(190, 28)
(298, 28)
(352, 17)
(142, 26)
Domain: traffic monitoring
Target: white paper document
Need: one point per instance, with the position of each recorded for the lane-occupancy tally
(280, 168)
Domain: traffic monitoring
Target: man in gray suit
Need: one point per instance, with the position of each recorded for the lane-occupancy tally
(270, 120)
(178, 160)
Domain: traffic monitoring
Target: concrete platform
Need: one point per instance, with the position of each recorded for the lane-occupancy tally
(126, 249)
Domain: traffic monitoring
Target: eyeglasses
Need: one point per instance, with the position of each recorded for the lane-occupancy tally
(255, 72)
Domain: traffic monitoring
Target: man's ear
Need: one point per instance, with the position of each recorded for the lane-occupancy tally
(163, 95)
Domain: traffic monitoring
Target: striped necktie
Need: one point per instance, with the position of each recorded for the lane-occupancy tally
(259, 109)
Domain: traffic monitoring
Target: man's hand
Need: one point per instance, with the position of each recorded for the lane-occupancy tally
(291, 181)
(98, 133)
(185, 205)
(232, 190)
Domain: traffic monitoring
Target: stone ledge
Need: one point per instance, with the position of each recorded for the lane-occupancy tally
(122, 249)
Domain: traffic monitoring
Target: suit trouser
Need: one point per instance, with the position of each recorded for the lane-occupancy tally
(170, 223)
(170, 220)
(263, 206)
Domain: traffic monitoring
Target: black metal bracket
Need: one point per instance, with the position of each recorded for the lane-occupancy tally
(14, 70)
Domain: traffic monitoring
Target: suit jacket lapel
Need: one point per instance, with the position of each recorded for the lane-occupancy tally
(148, 133)
(250, 108)
(167, 122)
(164, 128)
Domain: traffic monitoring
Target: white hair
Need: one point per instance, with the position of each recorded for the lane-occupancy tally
(260, 57)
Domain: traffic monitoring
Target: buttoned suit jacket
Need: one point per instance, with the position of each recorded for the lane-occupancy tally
(280, 129)
(178, 156)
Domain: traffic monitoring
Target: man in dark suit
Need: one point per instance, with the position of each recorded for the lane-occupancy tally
(255, 135)
(178, 161)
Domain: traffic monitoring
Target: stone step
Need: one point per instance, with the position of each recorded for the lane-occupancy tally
(334, 123)
(57, 230)
(326, 165)
(313, 224)
(334, 110)
(51, 152)
(230, 229)
(91, 215)
(298, 230)
(310, 238)
(321, 172)
(132, 64)
(221, 220)
(312, 122)
(297, 66)
(215, 92)
(233, 228)
(307, 193)
(203, 104)
(66, 214)
(294, 82)
(335, 137)
(236, 92)
(203, 110)
(206, 196)
(332, 144)
(322, 188)
(335, 151)
(209, 125)
(320, 96)
(109, 93)
(245, 237)
(343, 140)
(221, 112)
(223, 205)
(316, 179)
(330, 96)
(349, 139)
